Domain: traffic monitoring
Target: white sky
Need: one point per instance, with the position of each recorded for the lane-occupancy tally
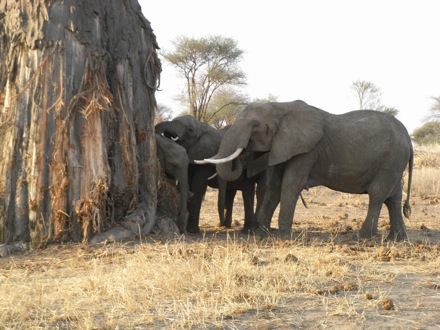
(313, 50)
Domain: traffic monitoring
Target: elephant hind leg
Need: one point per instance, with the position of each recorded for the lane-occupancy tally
(394, 205)
(369, 227)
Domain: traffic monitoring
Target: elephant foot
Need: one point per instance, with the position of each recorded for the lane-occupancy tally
(284, 234)
(182, 229)
(397, 236)
(249, 229)
(263, 232)
(366, 233)
(193, 230)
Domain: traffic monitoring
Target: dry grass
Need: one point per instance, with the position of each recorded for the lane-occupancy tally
(323, 278)
(213, 283)
(426, 182)
(427, 156)
(426, 177)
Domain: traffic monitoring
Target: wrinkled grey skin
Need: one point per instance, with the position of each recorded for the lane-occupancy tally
(202, 141)
(359, 152)
(174, 162)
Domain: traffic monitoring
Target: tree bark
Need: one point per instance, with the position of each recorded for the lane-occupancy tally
(77, 85)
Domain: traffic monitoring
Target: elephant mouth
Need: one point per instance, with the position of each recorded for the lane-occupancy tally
(172, 136)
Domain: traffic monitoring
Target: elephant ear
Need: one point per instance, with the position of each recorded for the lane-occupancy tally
(299, 130)
(206, 147)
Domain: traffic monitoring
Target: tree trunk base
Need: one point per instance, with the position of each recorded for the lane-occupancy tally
(136, 224)
(8, 249)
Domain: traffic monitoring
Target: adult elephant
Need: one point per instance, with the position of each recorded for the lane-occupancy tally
(361, 152)
(174, 163)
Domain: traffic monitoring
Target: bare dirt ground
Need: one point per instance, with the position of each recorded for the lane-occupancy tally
(331, 221)
(325, 277)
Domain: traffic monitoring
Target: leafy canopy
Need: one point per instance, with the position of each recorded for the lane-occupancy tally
(428, 133)
(206, 64)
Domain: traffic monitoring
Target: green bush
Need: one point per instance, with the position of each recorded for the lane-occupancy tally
(429, 133)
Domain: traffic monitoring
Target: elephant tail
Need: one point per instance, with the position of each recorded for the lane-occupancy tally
(406, 206)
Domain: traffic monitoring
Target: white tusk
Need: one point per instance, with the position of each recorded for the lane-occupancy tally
(227, 159)
(200, 162)
(175, 139)
(212, 176)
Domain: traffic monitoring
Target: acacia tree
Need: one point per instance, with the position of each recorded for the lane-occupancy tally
(227, 103)
(206, 64)
(77, 84)
(429, 132)
(368, 94)
(224, 107)
(369, 97)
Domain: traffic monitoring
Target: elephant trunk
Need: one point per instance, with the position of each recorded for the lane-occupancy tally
(233, 140)
(170, 130)
(230, 171)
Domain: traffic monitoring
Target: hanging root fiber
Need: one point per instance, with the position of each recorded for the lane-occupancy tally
(95, 211)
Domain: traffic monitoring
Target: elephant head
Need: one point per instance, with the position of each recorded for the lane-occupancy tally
(281, 130)
(199, 139)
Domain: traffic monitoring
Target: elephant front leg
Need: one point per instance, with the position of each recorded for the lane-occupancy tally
(198, 184)
(293, 183)
(194, 206)
(294, 180)
(271, 199)
(248, 193)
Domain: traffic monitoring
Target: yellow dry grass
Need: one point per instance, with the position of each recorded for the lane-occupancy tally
(221, 282)
(426, 178)
(427, 156)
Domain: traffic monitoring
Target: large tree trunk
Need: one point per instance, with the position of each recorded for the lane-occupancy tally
(77, 84)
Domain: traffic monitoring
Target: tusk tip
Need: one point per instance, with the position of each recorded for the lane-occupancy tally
(212, 176)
